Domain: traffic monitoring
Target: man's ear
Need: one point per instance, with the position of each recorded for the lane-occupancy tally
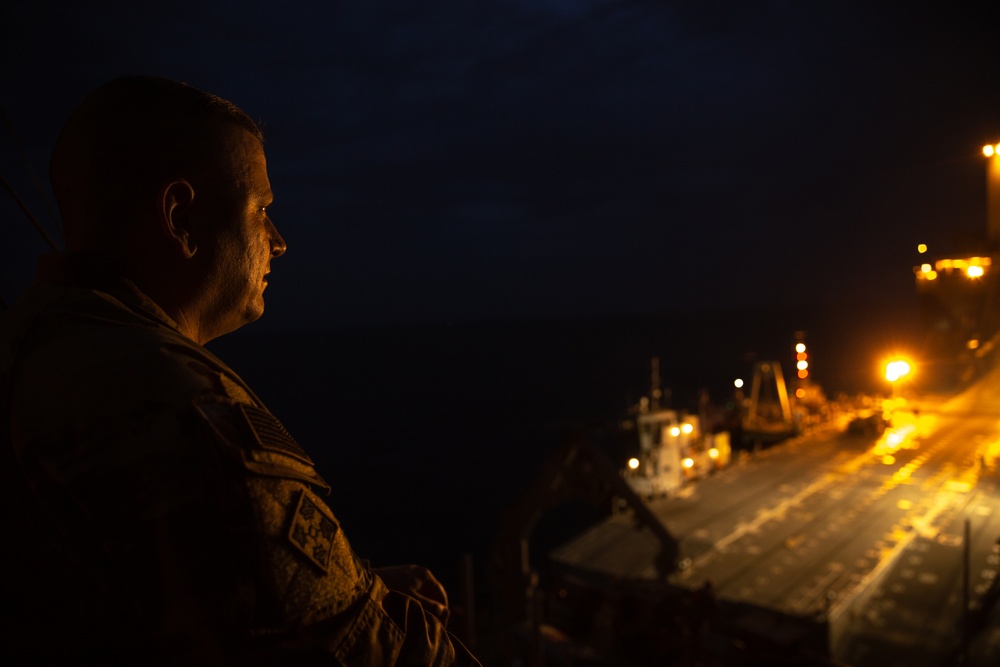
(176, 199)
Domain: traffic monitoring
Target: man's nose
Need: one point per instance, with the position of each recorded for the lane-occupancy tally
(278, 246)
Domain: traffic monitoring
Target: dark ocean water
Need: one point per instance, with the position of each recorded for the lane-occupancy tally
(427, 434)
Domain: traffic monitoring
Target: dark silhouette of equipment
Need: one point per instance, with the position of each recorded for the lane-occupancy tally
(769, 415)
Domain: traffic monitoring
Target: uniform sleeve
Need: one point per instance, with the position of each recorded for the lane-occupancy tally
(315, 596)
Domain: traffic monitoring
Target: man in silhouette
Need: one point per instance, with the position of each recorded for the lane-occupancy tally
(156, 512)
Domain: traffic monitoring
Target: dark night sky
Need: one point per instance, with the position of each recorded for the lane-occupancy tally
(441, 161)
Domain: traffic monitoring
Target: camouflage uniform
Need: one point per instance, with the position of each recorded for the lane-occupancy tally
(155, 510)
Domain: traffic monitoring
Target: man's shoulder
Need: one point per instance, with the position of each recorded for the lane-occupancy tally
(90, 338)
(85, 368)
(53, 314)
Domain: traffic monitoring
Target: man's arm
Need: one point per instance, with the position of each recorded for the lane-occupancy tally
(314, 590)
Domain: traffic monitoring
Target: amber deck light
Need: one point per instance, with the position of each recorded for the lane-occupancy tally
(897, 369)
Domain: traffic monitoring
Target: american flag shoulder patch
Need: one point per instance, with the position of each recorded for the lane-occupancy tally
(271, 433)
(312, 530)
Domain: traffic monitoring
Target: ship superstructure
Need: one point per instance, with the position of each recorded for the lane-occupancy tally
(960, 291)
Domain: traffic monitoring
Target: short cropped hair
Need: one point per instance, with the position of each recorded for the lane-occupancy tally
(124, 140)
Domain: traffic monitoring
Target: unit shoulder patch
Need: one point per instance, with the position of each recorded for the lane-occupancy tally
(312, 530)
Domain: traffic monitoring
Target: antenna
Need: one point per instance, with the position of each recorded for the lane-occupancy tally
(27, 166)
(17, 199)
(27, 212)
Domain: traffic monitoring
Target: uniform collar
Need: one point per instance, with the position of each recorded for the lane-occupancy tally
(100, 273)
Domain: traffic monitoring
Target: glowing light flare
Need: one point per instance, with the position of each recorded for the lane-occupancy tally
(738, 383)
(802, 365)
(803, 374)
(633, 464)
(888, 459)
(687, 428)
(989, 150)
(896, 369)
(713, 453)
(688, 463)
(800, 393)
(921, 248)
(972, 344)
(974, 271)
(800, 348)
(675, 431)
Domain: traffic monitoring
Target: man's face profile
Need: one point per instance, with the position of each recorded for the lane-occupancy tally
(241, 238)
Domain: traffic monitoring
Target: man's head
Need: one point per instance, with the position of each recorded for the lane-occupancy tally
(171, 182)
(123, 140)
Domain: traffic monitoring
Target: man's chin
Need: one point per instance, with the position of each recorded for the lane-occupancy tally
(254, 313)
(249, 316)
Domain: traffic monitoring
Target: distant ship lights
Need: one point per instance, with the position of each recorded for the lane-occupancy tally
(801, 364)
(801, 360)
